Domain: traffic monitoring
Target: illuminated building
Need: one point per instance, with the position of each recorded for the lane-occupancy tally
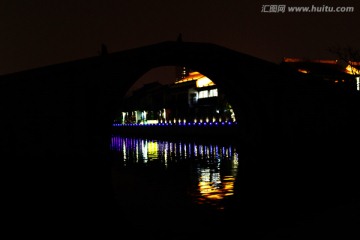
(353, 68)
(191, 98)
(332, 71)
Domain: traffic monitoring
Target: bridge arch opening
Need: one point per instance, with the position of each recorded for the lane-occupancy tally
(145, 101)
(245, 80)
(175, 94)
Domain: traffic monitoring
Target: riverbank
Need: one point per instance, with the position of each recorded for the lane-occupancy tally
(188, 132)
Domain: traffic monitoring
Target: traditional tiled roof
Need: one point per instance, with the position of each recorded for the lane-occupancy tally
(325, 67)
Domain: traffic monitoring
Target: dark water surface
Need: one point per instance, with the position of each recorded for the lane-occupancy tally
(187, 189)
(175, 189)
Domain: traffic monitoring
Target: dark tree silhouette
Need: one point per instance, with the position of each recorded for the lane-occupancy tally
(349, 56)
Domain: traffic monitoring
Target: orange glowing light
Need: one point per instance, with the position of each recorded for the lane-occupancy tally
(350, 69)
(201, 80)
(303, 71)
(286, 59)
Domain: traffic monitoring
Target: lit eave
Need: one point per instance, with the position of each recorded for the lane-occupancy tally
(192, 77)
(352, 70)
(303, 71)
(201, 80)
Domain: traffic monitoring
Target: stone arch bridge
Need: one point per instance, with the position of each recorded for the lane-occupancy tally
(76, 101)
(56, 120)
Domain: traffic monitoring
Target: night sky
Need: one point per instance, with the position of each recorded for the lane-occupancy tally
(38, 33)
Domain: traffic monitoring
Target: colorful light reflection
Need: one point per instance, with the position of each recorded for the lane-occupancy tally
(214, 167)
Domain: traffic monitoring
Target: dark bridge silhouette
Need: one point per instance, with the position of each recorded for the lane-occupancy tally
(56, 120)
(77, 100)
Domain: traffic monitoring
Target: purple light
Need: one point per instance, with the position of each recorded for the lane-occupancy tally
(216, 123)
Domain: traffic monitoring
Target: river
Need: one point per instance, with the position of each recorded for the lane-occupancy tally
(177, 189)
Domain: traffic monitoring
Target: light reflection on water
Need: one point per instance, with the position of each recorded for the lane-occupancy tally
(213, 167)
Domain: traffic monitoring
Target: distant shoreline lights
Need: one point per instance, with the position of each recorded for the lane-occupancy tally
(228, 123)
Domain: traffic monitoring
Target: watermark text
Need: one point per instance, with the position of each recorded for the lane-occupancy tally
(277, 8)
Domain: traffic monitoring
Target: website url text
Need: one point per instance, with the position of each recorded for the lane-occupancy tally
(307, 9)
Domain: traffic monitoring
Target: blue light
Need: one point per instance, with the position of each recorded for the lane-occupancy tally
(216, 123)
